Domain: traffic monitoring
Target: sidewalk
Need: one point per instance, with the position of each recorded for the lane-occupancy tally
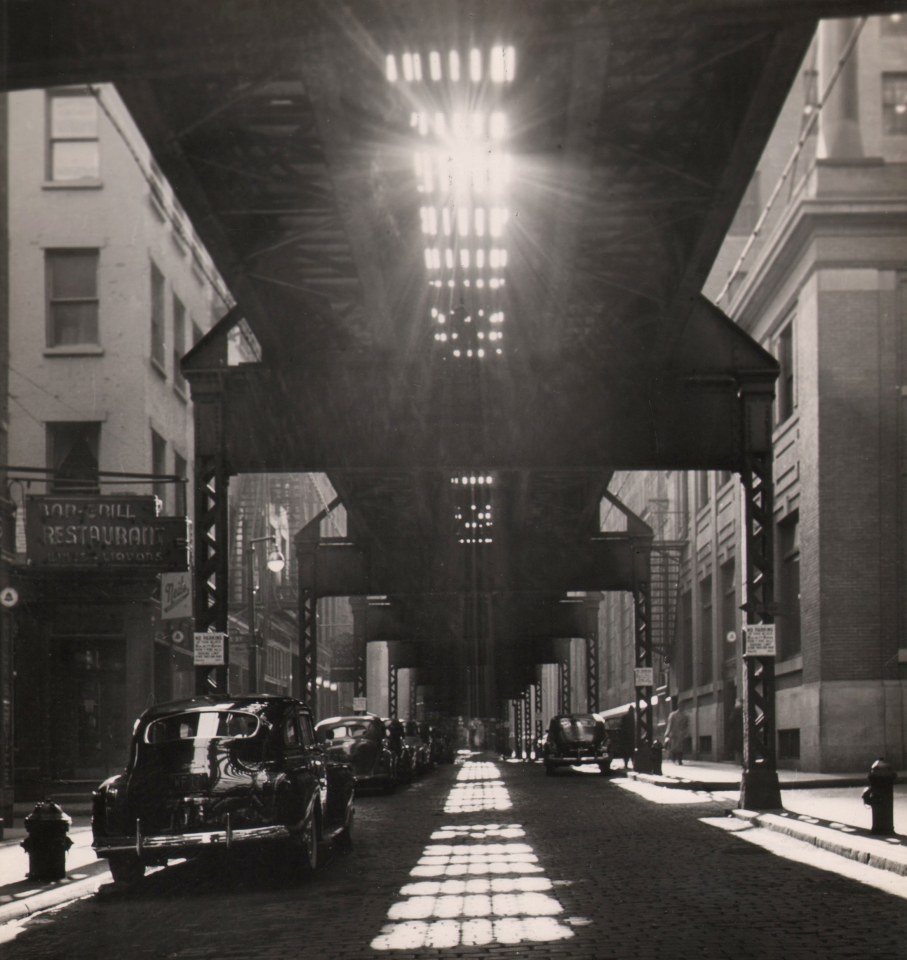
(21, 897)
(823, 809)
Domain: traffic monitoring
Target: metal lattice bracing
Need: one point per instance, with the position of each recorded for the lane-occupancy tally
(539, 728)
(642, 606)
(358, 605)
(527, 723)
(392, 683)
(308, 644)
(564, 676)
(759, 783)
(211, 564)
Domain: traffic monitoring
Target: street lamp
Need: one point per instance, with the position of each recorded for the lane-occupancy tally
(275, 564)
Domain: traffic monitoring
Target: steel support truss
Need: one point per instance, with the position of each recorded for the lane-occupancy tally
(564, 676)
(539, 729)
(527, 723)
(643, 760)
(211, 565)
(759, 787)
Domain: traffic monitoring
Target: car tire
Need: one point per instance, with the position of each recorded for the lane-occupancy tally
(126, 867)
(307, 846)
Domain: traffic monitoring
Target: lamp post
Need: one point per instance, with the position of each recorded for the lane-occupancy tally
(275, 563)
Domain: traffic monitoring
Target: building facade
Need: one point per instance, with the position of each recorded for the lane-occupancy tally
(108, 288)
(815, 269)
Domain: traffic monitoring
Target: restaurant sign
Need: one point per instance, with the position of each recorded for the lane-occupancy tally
(114, 531)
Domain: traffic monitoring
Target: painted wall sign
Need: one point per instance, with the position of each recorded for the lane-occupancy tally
(84, 531)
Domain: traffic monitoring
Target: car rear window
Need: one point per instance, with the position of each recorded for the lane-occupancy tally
(203, 725)
(586, 729)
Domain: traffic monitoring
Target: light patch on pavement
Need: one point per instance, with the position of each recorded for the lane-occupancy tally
(666, 795)
(476, 884)
(791, 848)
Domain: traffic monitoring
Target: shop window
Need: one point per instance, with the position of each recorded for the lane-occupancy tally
(73, 151)
(705, 744)
(785, 400)
(73, 456)
(894, 104)
(789, 744)
(157, 319)
(788, 619)
(71, 278)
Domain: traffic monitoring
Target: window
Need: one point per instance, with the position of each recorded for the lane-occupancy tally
(180, 469)
(702, 489)
(788, 619)
(789, 744)
(179, 342)
(157, 318)
(728, 605)
(894, 104)
(685, 667)
(785, 401)
(748, 212)
(72, 297)
(706, 671)
(73, 154)
(73, 453)
(159, 463)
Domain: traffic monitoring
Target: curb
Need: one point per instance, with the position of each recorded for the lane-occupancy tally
(63, 892)
(867, 850)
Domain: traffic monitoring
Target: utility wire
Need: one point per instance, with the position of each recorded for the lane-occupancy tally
(789, 166)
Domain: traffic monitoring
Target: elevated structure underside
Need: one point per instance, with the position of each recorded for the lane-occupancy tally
(548, 181)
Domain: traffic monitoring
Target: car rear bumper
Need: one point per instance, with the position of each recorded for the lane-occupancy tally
(577, 761)
(180, 844)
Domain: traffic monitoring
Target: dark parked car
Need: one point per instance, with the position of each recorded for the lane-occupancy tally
(361, 741)
(575, 739)
(212, 774)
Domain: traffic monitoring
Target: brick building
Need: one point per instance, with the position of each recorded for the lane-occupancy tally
(815, 269)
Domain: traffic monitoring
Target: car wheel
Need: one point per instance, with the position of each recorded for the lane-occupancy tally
(126, 868)
(308, 846)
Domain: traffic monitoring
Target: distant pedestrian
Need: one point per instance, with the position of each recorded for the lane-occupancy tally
(677, 731)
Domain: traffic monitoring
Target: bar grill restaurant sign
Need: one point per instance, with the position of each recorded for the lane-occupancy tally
(82, 531)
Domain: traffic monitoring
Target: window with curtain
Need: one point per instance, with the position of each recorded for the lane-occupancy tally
(157, 318)
(73, 454)
(71, 278)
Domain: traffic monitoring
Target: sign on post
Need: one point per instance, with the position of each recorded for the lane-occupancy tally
(759, 640)
(644, 676)
(360, 704)
(209, 649)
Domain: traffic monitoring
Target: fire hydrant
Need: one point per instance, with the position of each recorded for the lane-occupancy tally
(879, 795)
(47, 843)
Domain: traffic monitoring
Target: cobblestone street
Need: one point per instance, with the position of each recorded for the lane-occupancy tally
(572, 865)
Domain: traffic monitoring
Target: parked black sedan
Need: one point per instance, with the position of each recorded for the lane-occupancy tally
(361, 740)
(576, 739)
(210, 774)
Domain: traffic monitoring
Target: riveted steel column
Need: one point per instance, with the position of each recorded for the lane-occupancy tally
(308, 645)
(564, 677)
(643, 680)
(359, 606)
(392, 692)
(759, 786)
(539, 727)
(527, 723)
(211, 534)
(592, 651)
